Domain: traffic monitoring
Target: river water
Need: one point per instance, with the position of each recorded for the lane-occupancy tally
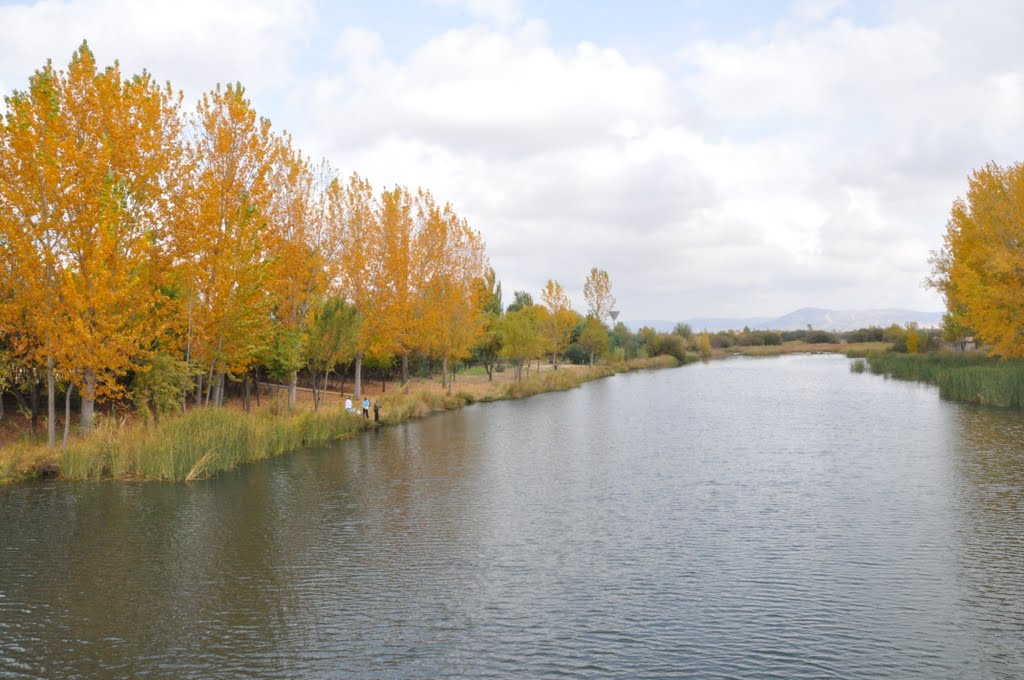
(748, 518)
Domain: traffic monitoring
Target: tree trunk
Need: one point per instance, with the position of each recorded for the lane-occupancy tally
(359, 375)
(444, 372)
(245, 393)
(316, 390)
(67, 413)
(33, 400)
(405, 368)
(293, 382)
(88, 400)
(51, 408)
(591, 358)
(199, 390)
(218, 390)
(256, 377)
(211, 384)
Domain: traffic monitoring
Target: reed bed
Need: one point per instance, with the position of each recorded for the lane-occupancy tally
(199, 444)
(971, 378)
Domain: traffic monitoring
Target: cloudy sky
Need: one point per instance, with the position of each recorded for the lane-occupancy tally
(716, 158)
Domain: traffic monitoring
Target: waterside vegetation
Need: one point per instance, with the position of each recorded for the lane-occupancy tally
(970, 377)
(203, 442)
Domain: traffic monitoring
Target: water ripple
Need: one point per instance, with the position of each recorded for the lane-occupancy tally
(741, 519)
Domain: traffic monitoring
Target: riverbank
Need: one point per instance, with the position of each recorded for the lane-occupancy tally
(206, 441)
(970, 377)
(850, 349)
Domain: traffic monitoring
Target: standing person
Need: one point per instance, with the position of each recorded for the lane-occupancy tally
(366, 408)
(348, 404)
(376, 410)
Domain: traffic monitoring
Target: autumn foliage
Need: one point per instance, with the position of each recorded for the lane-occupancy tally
(161, 254)
(980, 268)
(131, 230)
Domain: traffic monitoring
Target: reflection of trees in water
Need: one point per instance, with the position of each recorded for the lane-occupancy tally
(990, 528)
(187, 572)
(407, 486)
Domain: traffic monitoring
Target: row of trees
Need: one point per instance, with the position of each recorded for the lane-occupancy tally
(137, 238)
(525, 331)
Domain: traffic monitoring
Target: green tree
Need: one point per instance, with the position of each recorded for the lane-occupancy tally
(954, 331)
(594, 338)
(520, 300)
(519, 333)
(487, 350)
(333, 338)
(684, 331)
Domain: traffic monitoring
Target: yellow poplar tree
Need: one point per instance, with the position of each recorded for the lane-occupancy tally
(454, 264)
(88, 178)
(558, 325)
(31, 223)
(597, 291)
(298, 274)
(222, 238)
(394, 278)
(354, 212)
(985, 244)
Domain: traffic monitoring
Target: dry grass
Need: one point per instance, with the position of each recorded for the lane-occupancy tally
(206, 441)
(850, 349)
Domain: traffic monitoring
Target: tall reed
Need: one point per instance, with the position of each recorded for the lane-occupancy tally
(200, 443)
(972, 378)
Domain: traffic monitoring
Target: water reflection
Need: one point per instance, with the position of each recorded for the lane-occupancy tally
(990, 540)
(778, 518)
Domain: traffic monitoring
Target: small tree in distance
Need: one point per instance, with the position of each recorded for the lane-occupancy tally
(597, 291)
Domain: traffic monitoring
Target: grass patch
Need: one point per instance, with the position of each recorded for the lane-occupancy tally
(858, 366)
(193, 446)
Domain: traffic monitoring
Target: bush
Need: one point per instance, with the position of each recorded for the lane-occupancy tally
(669, 344)
(821, 337)
(723, 340)
(574, 354)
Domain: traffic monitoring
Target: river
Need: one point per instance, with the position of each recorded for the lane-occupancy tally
(747, 518)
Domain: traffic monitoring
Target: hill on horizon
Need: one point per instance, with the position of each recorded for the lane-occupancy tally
(815, 317)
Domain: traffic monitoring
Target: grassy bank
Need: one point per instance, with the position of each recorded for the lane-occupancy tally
(850, 349)
(206, 441)
(968, 377)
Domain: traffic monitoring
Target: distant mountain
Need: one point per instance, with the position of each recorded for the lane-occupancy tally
(820, 319)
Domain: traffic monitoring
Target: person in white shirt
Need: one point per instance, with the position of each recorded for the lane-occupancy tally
(348, 405)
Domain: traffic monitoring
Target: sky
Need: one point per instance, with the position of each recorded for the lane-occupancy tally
(716, 158)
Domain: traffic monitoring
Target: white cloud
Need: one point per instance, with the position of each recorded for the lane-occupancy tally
(192, 43)
(501, 11)
(811, 162)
